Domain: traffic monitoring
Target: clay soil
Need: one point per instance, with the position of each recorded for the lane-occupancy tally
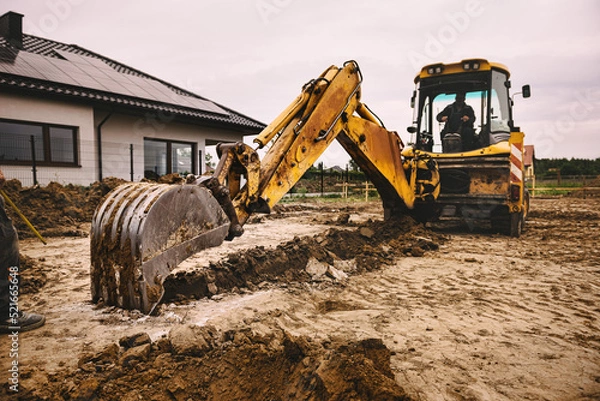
(320, 301)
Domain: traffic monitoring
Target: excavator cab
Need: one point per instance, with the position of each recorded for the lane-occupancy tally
(484, 88)
(464, 120)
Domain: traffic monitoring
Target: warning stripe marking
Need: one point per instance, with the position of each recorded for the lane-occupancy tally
(516, 162)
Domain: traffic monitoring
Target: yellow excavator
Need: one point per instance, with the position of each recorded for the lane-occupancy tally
(142, 231)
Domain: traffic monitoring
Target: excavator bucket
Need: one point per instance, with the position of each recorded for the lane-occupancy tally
(141, 232)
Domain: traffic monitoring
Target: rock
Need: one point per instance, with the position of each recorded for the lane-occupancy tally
(135, 355)
(84, 391)
(315, 268)
(212, 288)
(336, 274)
(345, 265)
(343, 218)
(162, 345)
(135, 340)
(108, 355)
(417, 251)
(366, 232)
(191, 339)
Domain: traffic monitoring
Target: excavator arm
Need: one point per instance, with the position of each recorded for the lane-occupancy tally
(128, 268)
(328, 109)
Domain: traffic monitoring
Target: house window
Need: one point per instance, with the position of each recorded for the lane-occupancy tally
(53, 145)
(166, 157)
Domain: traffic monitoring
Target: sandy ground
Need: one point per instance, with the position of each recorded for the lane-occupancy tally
(485, 317)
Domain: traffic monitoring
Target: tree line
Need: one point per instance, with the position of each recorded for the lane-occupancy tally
(544, 168)
(551, 167)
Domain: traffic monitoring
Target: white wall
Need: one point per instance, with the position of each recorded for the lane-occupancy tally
(119, 132)
(39, 110)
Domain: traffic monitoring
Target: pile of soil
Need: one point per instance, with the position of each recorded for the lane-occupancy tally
(33, 275)
(368, 247)
(195, 362)
(55, 209)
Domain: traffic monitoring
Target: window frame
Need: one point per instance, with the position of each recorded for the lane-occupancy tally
(499, 92)
(169, 162)
(45, 160)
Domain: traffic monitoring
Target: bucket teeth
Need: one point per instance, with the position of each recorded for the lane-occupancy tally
(141, 232)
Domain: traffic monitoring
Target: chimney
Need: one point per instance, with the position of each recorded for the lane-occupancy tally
(11, 28)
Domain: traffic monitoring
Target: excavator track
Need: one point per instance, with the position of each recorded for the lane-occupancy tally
(141, 232)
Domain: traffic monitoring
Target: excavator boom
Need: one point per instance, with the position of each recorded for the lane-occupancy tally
(142, 231)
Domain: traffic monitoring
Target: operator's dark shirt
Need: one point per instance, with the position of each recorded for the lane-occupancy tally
(455, 112)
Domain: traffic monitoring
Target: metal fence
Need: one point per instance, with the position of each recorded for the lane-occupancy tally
(126, 161)
(557, 184)
(33, 168)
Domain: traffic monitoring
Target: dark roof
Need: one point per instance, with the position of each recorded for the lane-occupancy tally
(47, 67)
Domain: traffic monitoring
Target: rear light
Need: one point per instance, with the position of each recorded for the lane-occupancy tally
(515, 192)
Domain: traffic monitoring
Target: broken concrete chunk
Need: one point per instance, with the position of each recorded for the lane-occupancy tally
(336, 274)
(315, 268)
(345, 265)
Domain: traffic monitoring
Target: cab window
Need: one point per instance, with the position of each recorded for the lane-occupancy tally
(499, 127)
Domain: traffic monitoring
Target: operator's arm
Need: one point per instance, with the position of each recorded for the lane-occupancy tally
(468, 115)
(2, 179)
(444, 115)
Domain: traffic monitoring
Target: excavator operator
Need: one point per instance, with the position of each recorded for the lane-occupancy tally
(459, 118)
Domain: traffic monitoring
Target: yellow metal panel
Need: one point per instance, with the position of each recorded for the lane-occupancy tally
(457, 68)
(304, 145)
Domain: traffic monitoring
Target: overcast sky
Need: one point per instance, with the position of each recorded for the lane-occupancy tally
(254, 55)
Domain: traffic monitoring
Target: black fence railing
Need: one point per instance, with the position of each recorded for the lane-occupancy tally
(33, 162)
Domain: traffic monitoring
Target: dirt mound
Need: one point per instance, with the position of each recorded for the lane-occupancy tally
(56, 209)
(202, 363)
(316, 258)
(33, 275)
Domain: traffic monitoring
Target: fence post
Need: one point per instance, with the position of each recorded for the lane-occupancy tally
(321, 171)
(131, 162)
(33, 161)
